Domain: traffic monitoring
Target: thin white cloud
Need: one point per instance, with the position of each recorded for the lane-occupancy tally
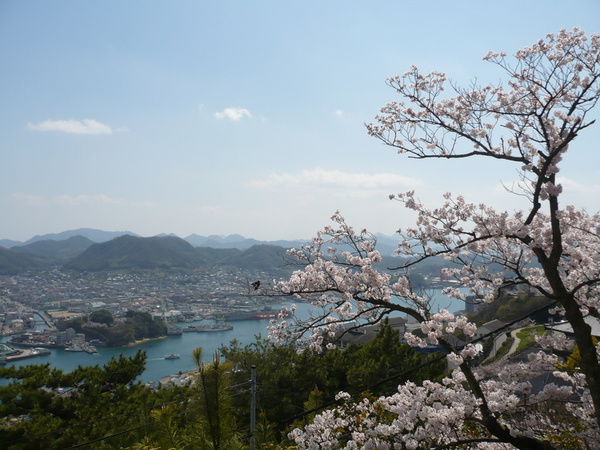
(569, 187)
(76, 200)
(28, 199)
(573, 186)
(338, 113)
(85, 126)
(337, 179)
(100, 199)
(235, 114)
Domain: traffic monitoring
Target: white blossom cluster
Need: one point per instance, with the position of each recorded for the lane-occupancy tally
(552, 250)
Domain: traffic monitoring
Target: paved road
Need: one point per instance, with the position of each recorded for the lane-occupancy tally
(46, 318)
(515, 344)
(501, 340)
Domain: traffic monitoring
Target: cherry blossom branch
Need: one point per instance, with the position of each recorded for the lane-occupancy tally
(531, 121)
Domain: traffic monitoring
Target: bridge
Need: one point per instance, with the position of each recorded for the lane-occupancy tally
(46, 318)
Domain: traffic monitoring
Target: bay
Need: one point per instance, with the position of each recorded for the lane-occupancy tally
(158, 367)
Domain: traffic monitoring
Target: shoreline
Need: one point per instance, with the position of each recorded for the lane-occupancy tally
(141, 341)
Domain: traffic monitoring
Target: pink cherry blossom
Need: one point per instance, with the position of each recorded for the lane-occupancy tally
(532, 121)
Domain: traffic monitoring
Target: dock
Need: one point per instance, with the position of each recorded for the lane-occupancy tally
(24, 354)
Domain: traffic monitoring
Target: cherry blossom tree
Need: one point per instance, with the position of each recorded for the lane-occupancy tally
(530, 121)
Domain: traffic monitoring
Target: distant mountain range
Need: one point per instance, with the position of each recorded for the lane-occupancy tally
(62, 250)
(134, 253)
(385, 244)
(89, 233)
(95, 250)
(98, 236)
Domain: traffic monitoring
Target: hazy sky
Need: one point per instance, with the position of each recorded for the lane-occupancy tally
(221, 117)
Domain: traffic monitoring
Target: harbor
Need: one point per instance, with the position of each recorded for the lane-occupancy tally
(219, 326)
(244, 332)
(161, 353)
(9, 355)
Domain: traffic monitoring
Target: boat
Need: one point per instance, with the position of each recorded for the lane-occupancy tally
(173, 356)
(82, 348)
(223, 326)
(266, 315)
(173, 330)
(97, 343)
(40, 351)
(74, 348)
(266, 312)
(240, 314)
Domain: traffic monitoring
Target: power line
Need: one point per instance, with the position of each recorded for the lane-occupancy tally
(184, 396)
(119, 433)
(187, 398)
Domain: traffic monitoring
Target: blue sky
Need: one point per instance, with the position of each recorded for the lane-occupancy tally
(243, 116)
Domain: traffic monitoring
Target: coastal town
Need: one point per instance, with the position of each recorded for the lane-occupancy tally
(218, 297)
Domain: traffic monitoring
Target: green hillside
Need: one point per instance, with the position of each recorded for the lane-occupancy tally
(130, 252)
(63, 250)
(13, 262)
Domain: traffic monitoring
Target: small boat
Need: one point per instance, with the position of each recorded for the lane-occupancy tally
(40, 351)
(74, 348)
(173, 356)
(173, 330)
(90, 349)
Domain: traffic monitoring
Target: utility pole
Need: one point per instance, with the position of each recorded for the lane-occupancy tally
(252, 407)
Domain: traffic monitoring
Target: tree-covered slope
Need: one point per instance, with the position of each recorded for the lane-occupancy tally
(169, 252)
(13, 262)
(63, 250)
(130, 252)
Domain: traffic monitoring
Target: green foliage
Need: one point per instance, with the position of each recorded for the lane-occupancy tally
(102, 316)
(61, 250)
(213, 401)
(203, 418)
(503, 350)
(76, 324)
(138, 326)
(144, 326)
(48, 409)
(287, 377)
(527, 336)
(13, 262)
(572, 363)
(165, 253)
(130, 252)
(511, 307)
(315, 401)
(168, 432)
(381, 358)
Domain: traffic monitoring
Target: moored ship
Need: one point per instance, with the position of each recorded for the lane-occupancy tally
(266, 312)
(221, 326)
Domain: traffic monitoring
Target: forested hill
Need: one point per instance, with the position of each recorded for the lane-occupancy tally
(62, 250)
(13, 262)
(169, 252)
(130, 252)
(134, 253)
